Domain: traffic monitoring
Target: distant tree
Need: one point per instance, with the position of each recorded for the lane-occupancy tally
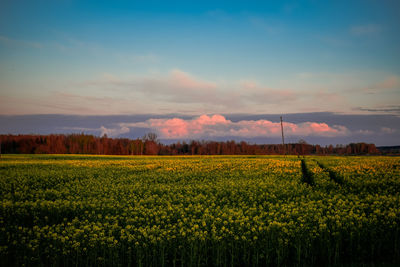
(88, 144)
(150, 137)
(302, 142)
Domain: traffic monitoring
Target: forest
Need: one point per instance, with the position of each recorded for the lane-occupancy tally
(149, 145)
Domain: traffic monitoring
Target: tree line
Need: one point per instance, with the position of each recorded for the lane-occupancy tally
(149, 145)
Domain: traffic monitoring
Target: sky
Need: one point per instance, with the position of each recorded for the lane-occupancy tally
(202, 69)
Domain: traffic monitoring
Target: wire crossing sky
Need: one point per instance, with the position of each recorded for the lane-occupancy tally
(201, 58)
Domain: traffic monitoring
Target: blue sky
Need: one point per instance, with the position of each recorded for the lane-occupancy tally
(194, 58)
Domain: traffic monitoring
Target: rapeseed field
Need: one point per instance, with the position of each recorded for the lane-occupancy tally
(78, 210)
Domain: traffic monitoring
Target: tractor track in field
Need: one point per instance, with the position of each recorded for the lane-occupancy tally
(308, 176)
(332, 174)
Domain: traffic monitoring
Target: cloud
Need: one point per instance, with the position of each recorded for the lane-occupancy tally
(289, 8)
(389, 83)
(364, 132)
(327, 97)
(384, 109)
(253, 93)
(336, 41)
(387, 130)
(365, 30)
(66, 44)
(110, 132)
(14, 42)
(147, 58)
(86, 104)
(206, 126)
(186, 81)
(305, 92)
(268, 26)
(113, 132)
(346, 39)
(178, 91)
(219, 15)
(68, 103)
(177, 86)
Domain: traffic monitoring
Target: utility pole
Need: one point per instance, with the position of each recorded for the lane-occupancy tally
(283, 138)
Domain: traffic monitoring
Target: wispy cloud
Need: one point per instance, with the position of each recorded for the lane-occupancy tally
(359, 81)
(185, 80)
(365, 30)
(184, 88)
(113, 132)
(349, 37)
(306, 91)
(76, 103)
(176, 87)
(364, 132)
(67, 103)
(336, 41)
(147, 58)
(254, 93)
(102, 130)
(178, 90)
(268, 26)
(219, 14)
(390, 109)
(389, 83)
(387, 130)
(22, 43)
(63, 45)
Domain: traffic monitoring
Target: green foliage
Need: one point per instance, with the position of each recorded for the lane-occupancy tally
(197, 211)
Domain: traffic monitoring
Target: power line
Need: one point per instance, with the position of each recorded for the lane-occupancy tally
(283, 138)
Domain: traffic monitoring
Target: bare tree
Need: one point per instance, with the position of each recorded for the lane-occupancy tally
(150, 137)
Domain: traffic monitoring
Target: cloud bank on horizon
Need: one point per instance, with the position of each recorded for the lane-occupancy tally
(317, 128)
(213, 126)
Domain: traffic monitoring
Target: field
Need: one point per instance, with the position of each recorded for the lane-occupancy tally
(74, 210)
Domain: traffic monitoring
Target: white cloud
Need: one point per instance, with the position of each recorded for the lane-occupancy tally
(110, 132)
(387, 130)
(364, 132)
(113, 132)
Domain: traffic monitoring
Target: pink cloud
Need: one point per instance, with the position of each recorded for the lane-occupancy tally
(388, 84)
(218, 126)
(170, 127)
(320, 127)
(213, 120)
(179, 128)
(184, 80)
(324, 96)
